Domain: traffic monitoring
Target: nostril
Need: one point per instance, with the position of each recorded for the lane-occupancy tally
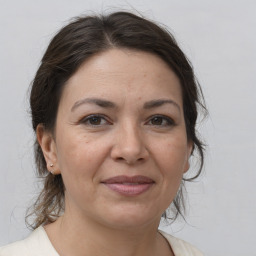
(129, 161)
(119, 158)
(131, 152)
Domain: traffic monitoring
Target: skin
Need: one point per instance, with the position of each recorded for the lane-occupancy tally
(127, 139)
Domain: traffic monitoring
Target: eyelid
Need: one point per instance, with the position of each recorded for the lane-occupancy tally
(88, 117)
(170, 121)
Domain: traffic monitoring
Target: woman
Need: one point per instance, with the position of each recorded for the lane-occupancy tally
(114, 106)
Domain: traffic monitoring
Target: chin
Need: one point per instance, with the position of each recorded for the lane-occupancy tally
(132, 217)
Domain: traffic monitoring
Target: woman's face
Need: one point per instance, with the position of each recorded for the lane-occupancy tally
(120, 142)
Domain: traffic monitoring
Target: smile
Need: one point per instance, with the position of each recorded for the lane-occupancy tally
(129, 186)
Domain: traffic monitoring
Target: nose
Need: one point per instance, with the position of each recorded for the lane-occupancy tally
(129, 145)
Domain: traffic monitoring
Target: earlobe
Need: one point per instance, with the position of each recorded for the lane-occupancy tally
(187, 165)
(189, 153)
(48, 146)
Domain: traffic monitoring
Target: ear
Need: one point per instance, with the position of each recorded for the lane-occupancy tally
(48, 146)
(190, 147)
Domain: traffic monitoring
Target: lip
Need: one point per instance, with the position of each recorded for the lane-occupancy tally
(129, 186)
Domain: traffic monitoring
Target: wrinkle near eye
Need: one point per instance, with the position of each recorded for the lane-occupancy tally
(160, 120)
(95, 120)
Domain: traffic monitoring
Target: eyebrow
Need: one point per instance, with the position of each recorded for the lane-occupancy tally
(100, 102)
(109, 104)
(159, 103)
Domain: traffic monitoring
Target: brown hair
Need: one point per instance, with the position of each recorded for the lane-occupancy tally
(70, 47)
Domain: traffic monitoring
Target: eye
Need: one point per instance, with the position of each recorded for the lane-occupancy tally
(95, 120)
(160, 120)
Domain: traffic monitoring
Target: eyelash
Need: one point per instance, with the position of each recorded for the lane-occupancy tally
(168, 121)
(89, 118)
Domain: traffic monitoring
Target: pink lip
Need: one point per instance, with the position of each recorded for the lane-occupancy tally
(129, 186)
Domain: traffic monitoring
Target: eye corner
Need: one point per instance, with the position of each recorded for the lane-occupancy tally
(160, 120)
(95, 120)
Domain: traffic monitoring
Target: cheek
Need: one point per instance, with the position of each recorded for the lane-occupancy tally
(172, 164)
(172, 161)
(174, 154)
(80, 155)
(78, 167)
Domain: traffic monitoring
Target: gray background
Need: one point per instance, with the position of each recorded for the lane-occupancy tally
(219, 37)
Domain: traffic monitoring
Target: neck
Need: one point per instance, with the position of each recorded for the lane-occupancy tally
(85, 237)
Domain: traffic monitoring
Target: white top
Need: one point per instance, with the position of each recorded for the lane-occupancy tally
(38, 244)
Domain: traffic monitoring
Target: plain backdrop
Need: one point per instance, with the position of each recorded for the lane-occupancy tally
(219, 37)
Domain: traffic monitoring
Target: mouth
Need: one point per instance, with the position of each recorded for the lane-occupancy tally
(129, 186)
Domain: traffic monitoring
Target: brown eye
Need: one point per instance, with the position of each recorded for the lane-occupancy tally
(161, 121)
(157, 120)
(95, 120)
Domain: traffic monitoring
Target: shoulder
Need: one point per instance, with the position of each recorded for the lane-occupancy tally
(37, 244)
(180, 247)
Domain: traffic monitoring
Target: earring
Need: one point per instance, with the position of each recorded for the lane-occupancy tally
(52, 171)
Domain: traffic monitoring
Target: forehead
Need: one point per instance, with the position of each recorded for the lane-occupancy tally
(123, 72)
